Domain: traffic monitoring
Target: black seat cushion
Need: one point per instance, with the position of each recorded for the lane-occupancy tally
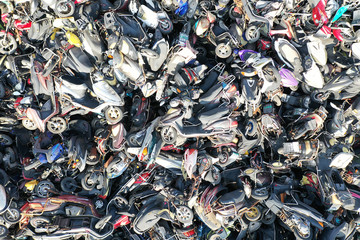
(232, 197)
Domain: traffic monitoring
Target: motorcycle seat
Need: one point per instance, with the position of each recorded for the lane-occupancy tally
(87, 101)
(232, 197)
(212, 115)
(210, 94)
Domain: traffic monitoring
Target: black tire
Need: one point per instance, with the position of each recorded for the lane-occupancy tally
(7, 120)
(41, 189)
(3, 231)
(169, 134)
(260, 194)
(8, 44)
(224, 158)
(306, 88)
(69, 185)
(2, 90)
(268, 217)
(64, 8)
(253, 214)
(232, 14)
(84, 183)
(36, 222)
(5, 140)
(13, 217)
(165, 25)
(113, 115)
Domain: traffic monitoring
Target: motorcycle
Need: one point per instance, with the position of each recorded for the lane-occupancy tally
(108, 106)
(217, 127)
(9, 214)
(40, 119)
(298, 217)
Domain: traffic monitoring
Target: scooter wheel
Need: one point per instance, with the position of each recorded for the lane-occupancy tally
(121, 202)
(12, 215)
(234, 13)
(268, 217)
(68, 185)
(37, 222)
(165, 25)
(64, 8)
(253, 214)
(5, 140)
(113, 115)
(252, 34)
(3, 231)
(56, 125)
(29, 124)
(260, 194)
(42, 189)
(223, 50)
(252, 126)
(8, 43)
(184, 214)
(85, 184)
(168, 135)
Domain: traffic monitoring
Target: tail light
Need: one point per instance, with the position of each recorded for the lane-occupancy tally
(189, 233)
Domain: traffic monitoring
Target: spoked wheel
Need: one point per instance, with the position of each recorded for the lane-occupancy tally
(5, 140)
(168, 134)
(56, 125)
(3, 231)
(184, 214)
(252, 34)
(12, 216)
(113, 115)
(29, 124)
(43, 189)
(64, 8)
(223, 50)
(253, 214)
(8, 43)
